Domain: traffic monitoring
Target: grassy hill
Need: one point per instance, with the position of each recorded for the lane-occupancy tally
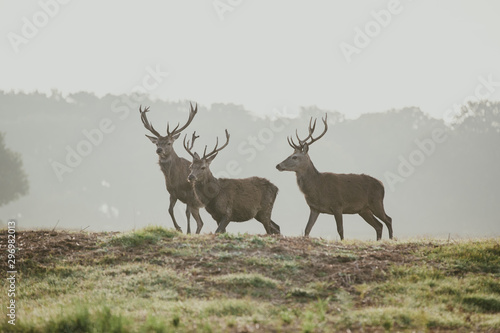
(157, 280)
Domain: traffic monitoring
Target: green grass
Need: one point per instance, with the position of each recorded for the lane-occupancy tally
(158, 280)
(246, 281)
(76, 319)
(474, 256)
(149, 235)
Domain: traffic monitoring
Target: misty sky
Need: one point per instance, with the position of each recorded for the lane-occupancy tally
(262, 54)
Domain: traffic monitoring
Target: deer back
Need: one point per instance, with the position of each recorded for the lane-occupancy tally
(345, 193)
(240, 199)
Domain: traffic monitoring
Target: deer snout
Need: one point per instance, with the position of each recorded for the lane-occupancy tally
(159, 151)
(191, 178)
(279, 167)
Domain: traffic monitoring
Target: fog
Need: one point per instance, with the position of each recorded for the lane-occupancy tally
(90, 166)
(411, 89)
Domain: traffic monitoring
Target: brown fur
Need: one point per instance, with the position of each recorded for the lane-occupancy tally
(336, 194)
(229, 200)
(238, 200)
(175, 169)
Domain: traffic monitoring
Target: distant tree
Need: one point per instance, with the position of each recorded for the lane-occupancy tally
(479, 117)
(334, 117)
(13, 179)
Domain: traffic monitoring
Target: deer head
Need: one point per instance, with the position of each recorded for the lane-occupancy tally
(300, 156)
(164, 144)
(200, 168)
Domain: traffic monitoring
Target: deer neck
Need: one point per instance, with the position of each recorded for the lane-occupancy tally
(208, 189)
(167, 161)
(307, 176)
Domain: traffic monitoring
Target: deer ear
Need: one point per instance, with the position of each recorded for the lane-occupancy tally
(211, 158)
(196, 156)
(152, 138)
(175, 137)
(306, 148)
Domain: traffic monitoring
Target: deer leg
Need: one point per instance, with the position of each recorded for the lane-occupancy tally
(173, 200)
(218, 223)
(188, 218)
(339, 220)
(275, 228)
(222, 225)
(313, 216)
(265, 222)
(378, 211)
(388, 223)
(199, 223)
(367, 215)
(269, 225)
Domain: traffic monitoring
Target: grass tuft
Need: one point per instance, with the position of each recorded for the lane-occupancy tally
(486, 304)
(230, 307)
(149, 235)
(80, 320)
(154, 325)
(473, 256)
(246, 280)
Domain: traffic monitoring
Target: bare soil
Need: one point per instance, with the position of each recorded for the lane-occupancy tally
(336, 263)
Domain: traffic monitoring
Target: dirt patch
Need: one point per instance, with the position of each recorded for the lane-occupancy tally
(37, 248)
(304, 260)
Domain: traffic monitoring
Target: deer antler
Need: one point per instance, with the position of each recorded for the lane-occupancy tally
(311, 130)
(312, 127)
(189, 144)
(216, 150)
(192, 113)
(146, 122)
(292, 144)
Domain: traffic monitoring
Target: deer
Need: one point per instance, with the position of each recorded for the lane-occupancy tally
(175, 169)
(230, 200)
(333, 193)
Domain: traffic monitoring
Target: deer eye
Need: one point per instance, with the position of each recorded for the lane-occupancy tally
(203, 168)
(294, 157)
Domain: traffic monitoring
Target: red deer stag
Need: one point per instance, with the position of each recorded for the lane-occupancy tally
(175, 169)
(333, 193)
(229, 200)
